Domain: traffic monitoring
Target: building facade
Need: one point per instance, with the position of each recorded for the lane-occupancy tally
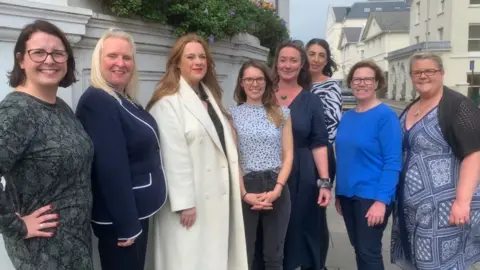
(351, 17)
(451, 29)
(84, 21)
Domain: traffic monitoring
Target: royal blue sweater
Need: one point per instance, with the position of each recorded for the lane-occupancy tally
(369, 154)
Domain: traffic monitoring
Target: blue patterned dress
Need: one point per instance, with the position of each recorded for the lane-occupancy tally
(422, 237)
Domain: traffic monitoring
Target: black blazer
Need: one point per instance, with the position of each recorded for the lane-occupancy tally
(128, 182)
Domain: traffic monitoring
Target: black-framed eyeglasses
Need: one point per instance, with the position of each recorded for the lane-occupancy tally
(427, 72)
(366, 80)
(250, 81)
(40, 55)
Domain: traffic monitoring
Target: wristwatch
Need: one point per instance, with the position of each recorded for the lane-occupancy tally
(324, 183)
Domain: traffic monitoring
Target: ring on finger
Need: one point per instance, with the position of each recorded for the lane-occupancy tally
(41, 226)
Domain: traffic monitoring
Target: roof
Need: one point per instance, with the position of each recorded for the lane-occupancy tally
(339, 13)
(361, 10)
(352, 34)
(396, 21)
(392, 21)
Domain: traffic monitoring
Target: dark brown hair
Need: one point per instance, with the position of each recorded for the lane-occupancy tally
(269, 100)
(170, 83)
(17, 76)
(379, 78)
(330, 66)
(304, 79)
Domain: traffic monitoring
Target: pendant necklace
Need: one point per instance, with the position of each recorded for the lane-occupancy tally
(283, 97)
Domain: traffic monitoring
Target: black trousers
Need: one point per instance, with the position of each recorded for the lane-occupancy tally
(367, 241)
(273, 222)
(113, 257)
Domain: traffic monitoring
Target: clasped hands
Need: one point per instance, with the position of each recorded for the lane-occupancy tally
(262, 201)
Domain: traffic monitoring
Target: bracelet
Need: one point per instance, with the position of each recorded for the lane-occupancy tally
(323, 183)
(282, 185)
(243, 197)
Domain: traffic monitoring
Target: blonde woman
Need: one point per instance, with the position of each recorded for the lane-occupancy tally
(127, 176)
(201, 226)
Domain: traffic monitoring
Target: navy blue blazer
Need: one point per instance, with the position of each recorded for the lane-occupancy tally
(128, 182)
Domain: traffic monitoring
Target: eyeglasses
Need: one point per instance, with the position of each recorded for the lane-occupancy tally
(427, 72)
(367, 80)
(40, 55)
(249, 81)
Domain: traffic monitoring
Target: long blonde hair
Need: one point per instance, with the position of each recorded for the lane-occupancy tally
(96, 78)
(170, 83)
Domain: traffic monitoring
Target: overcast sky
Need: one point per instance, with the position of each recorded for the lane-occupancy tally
(308, 17)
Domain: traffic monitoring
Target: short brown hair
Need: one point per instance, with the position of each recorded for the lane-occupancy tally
(371, 65)
(17, 76)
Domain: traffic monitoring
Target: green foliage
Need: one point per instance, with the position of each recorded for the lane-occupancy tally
(212, 19)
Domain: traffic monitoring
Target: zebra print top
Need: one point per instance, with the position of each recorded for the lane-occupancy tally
(331, 95)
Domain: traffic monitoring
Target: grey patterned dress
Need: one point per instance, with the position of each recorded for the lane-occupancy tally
(45, 158)
(422, 237)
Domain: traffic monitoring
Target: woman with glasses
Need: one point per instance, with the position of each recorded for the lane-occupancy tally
(436, 220)
(265, 145)
(368, 148)
(45, 158)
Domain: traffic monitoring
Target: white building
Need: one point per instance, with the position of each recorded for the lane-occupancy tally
(84, 22)
(352, 17)
(283, 9)
(449, 28)
(384, 32)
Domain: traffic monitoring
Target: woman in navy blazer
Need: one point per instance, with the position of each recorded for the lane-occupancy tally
(128, 183)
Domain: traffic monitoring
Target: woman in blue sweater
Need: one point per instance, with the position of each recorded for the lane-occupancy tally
(369, 157)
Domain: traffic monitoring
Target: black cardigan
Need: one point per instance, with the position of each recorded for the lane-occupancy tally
(459, 120)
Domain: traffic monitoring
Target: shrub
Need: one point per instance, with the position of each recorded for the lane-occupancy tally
(211, 19)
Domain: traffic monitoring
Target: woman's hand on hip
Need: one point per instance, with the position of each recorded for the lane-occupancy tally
(188, 217)
(37, 221)
(324, 197)
(460, 213)
(376, 214)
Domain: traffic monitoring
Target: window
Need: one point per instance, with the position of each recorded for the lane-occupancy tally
(378, 9)
(474, 2)
(417, 39)
(474, 38)
(440, 33)
(417, 15)
(366, 9)
(441, 6)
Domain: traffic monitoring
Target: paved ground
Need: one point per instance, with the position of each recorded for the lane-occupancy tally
(341, 254)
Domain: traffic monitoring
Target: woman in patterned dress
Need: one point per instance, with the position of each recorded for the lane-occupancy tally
(437, 217)
(322, 67)
(265, 145)
(45, 158)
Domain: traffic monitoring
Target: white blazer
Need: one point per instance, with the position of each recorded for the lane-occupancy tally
(201, 175)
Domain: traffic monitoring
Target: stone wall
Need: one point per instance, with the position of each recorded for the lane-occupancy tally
(84, 25)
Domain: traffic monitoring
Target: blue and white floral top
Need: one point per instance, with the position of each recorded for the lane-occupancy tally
(259, 141)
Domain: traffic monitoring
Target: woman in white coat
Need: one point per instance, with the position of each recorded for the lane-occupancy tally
(201, 226)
